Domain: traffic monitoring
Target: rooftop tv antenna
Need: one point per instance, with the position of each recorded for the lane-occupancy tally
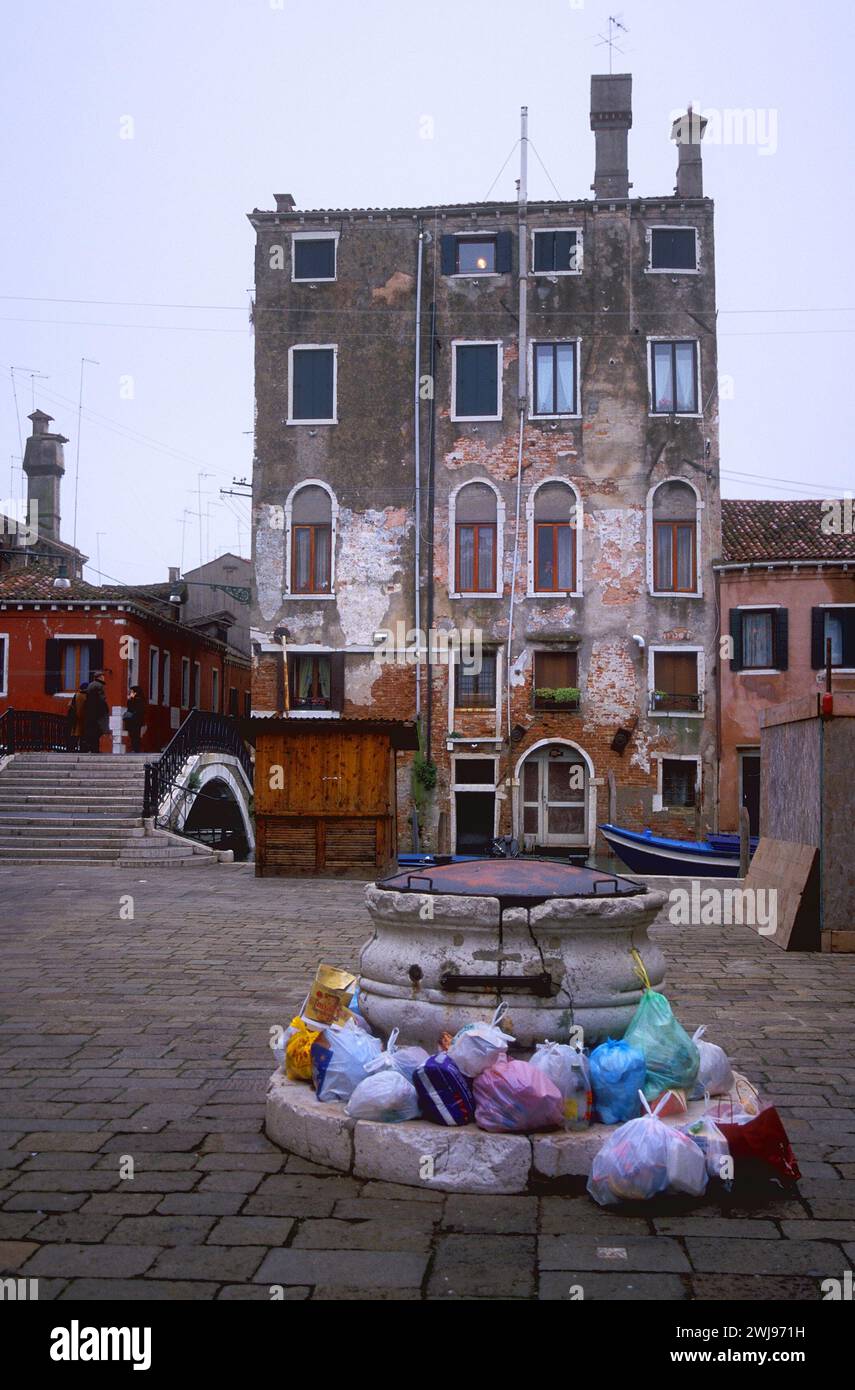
(610, 41)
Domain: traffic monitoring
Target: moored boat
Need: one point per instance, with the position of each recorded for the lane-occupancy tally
(645, 853)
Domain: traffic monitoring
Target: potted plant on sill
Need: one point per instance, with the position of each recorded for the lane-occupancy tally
(558, 696)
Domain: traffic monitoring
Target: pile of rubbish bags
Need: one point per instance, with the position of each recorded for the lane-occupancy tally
(634, 1082)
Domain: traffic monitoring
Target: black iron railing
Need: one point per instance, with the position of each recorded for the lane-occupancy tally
(667, 702)
(31, 730)
(201, 732)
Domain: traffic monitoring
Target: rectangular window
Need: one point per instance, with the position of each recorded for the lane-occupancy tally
(558, 252)
(4, 664)
(476, 256)
(313, 385)
(836, 625)
(674, 557)
(311, 682)
(674, 378)
(675, 683)
(153, 674)
(673, 248)
(554, 378)
(476, 558)
(197, 685)
(233, 700)
(555, 681)
(185, 682)
(75, 665)
(758, 639)
(476, 690)
(310, 559)
(475, 772)
(679, 778)
(314, 258)
(133, 662)
(167, 678)
(554, 556)
(247, 704)
(215, 690)
(477, 383)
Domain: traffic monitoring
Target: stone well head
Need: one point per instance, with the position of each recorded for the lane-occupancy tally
(552, 940)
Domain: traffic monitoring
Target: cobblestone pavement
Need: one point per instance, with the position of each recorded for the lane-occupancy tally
(149, 1038)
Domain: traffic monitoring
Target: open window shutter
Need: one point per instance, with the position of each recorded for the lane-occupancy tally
(564, 241)
(96, 655)
(817, 636)
(781, 648)
(53, 673)
(504, 253)
(336, 681)
(736, 634)
(448, 254)
(848, 618)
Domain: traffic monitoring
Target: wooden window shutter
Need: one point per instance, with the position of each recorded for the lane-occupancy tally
(817, 638)
(504, 253)
(781, 639)
(448, 254)
(564, 242)
(96, 655)
(53, 672)
(736, 634)
(336, 681)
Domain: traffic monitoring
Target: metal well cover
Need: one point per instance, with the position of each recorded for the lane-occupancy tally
(515, 882)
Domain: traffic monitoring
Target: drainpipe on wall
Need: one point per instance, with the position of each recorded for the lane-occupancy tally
(522, 386)
(417, 563)
(430, 522)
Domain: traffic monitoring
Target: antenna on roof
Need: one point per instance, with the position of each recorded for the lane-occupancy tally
(610, 42)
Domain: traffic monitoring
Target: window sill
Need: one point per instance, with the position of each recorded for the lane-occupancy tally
(312, 422)
(760, 671)
(314, 280)
(554, 593)
(310, 598)
(674, 593)
(562, 415)
(493, 593)
(676, 714)
(475, 419)
(674, 415)
(664, 270)
(552, 274)
(478, 275)
(313, 714)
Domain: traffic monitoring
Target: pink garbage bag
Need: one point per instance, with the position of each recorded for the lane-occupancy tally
(515, 1097)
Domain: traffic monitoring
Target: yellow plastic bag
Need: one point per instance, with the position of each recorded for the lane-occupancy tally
(298, 1062)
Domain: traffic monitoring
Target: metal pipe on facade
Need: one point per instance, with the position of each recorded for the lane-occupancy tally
(430, 526)
(522, 384)
(417, 563)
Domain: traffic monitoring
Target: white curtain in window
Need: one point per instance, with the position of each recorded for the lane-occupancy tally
(834, 630)
(685, 354)
(757, 639)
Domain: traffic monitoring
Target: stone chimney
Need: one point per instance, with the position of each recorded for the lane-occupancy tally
(688, 131)
(611, 118)
(284, 202)
(44, 466)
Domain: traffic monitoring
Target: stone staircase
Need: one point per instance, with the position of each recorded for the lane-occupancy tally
(84, 808)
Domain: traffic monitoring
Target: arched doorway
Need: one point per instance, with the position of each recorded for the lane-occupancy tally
(555, 795)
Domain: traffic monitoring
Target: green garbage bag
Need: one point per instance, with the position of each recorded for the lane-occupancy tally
(671, 1056)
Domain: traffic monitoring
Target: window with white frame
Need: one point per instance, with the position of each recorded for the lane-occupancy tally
(313, 256)
(673, 249)
(760, 637)
(556, 252)
(310, 519)
(153, 674)
(674, 377)
(676, 681)
(674, 538)
(552, 537)
(476, 385)
(133, 659)
(834, 624)
(475, 539)
(554, 379)
(185, 682)
(167, 678)
(476, 253)
(679, 781)
(475, 683)
(312, 370)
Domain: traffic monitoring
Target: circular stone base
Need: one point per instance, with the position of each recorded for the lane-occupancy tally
(419, 1154)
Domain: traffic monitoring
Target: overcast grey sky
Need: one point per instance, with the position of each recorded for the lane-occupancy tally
(232, 100)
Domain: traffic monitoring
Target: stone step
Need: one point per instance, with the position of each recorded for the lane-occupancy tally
(68, 787)
(67, 823)
(158, 852)
(69, 834)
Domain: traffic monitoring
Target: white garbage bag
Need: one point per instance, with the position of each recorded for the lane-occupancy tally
(714, 1074)
(568, 1067)
(477, 1045)
(385, 1095)
(406, 1060)
(645, 1157)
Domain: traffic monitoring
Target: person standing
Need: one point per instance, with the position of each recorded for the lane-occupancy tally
(96, 717)
(134, 717)
(77, 719)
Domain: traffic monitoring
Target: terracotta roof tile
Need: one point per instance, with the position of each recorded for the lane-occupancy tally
(754, 530)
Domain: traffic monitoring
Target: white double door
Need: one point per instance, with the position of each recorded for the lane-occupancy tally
(554, 792)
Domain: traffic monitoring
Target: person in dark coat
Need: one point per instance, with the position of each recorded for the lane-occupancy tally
(134, 717)
(96, 716)
(77, 719)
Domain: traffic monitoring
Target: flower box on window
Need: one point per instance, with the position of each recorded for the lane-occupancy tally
(565, 697)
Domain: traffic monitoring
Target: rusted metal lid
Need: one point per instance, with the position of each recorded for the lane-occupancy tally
(515, 882)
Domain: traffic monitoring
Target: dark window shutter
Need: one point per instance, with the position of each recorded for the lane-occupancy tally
(736, 634)
(817, 638)
(544, 251)
(336, 681)
(781, 639)
(477, 380)
(847, 617)
(96, 655)
(564, 243)
(312, 395)
(448, 254)
(53, 672)
(504, 253)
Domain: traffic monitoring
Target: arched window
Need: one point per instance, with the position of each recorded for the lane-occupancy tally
(554, 519)
(311, 540)
(476, 539)
(674, 515)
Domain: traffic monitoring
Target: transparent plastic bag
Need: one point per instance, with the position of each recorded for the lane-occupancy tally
(568, 1068)
(476, 1046)
(646, 1157)
(406, 1060)
(350, 1052)
(714, 1072)
(713, 1145)
(516, 1098)
(617, 1074)
(671, 1057)
(386, 1096)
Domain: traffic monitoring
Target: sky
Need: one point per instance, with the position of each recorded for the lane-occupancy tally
(137, 137)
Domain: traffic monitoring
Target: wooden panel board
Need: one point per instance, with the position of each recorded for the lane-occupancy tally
(324, 772)
(792, 871)
(351, 846)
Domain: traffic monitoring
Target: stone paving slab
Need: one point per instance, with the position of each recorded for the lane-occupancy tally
(149, 1039)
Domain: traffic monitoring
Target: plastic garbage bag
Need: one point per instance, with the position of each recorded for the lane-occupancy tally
(385, 1095)
(671, 1057)
(714, 1073)
(298, 1050)
(445, 1094)
(515, 1097)
(350, 1052)
(406, 1060)
(569, 1069)
(713, 1145)
(476, 1046)
(759, 1145)
(645, 1157)
(617, 1074)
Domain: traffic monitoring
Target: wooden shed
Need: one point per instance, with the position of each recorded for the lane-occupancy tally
(325, 799)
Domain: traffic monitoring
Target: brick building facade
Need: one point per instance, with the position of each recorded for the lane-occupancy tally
(499, 422)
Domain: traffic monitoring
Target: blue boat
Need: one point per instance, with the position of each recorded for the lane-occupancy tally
(645, 853)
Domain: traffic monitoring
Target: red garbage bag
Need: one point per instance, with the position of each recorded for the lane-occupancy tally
(762, 1140)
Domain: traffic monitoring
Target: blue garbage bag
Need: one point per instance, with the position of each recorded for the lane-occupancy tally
(617, 1075)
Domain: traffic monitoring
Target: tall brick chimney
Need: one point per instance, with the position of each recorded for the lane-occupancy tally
(44, 466)
(611, 118)
(688, 131)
